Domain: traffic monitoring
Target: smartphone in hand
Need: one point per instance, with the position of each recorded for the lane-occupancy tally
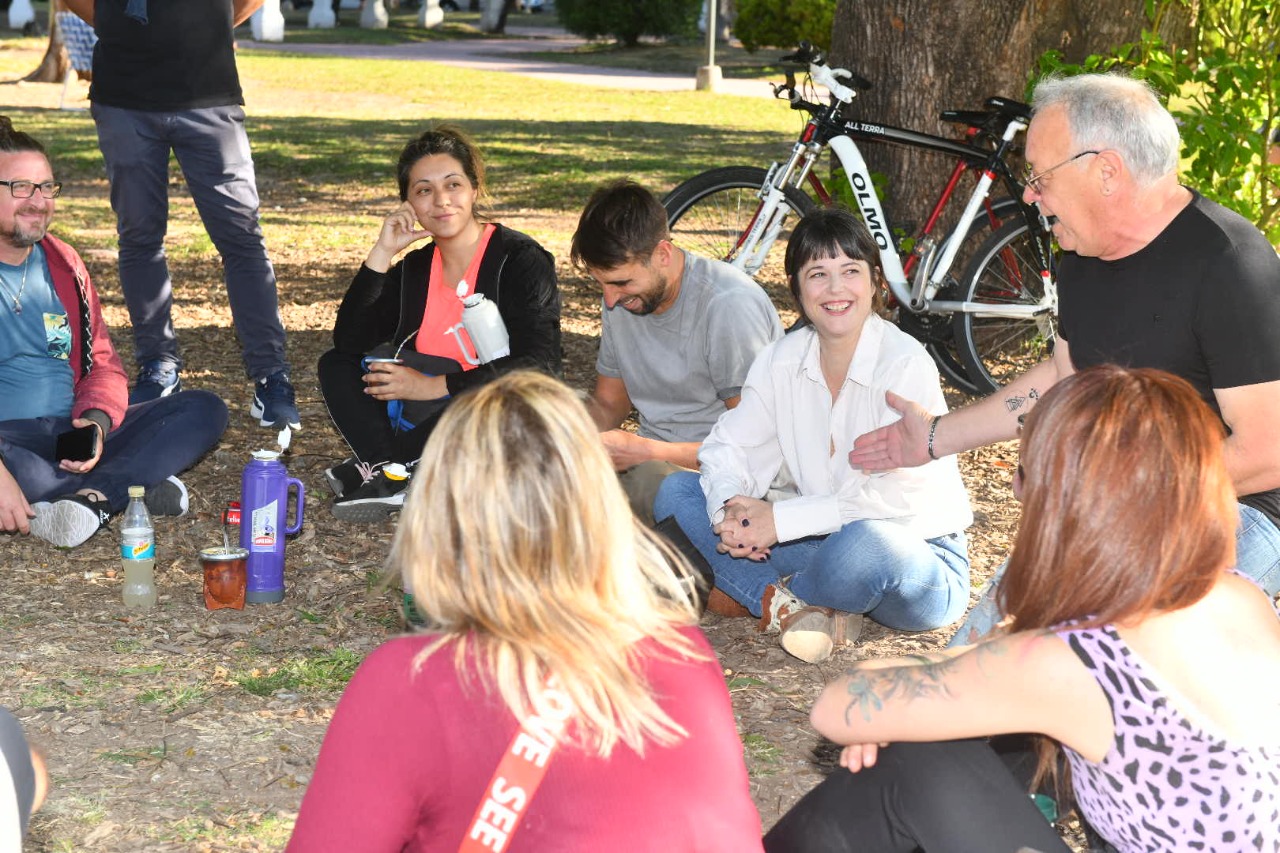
(77, 445)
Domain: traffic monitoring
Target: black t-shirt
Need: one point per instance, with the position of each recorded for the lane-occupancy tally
(1201, 301)
(181, 59)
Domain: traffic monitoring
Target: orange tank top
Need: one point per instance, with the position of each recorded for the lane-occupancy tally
(441, 333)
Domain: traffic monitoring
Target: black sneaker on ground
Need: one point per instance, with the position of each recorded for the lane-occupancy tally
(156, 379)
(168, 498)
(70, 520)
(382, 495)
(349, 475)
(273, 402)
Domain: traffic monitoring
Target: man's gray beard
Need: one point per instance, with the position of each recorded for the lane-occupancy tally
(20, 238)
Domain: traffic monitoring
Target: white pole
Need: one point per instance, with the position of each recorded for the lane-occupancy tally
(709, 76)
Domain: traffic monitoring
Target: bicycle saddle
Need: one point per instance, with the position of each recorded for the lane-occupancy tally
(1009, 108)
(972, 118)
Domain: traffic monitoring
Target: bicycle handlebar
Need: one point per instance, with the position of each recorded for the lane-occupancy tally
(821, 73)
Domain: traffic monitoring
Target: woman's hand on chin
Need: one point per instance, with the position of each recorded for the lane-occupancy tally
(747, 529)
(400, 230)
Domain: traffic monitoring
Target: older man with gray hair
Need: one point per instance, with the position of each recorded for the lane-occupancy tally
(1153, 275)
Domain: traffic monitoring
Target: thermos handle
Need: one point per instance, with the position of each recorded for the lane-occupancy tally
(302, 492)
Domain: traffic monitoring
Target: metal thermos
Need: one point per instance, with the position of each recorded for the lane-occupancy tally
(484, 326)
(264, 497)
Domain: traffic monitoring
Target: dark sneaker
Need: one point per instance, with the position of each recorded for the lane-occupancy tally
(382, 495)
(349, 475)
(168, 498)
(156, 379)
(273, 402)
(70, 520)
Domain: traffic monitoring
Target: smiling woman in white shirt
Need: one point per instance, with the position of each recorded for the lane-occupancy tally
(811, 564)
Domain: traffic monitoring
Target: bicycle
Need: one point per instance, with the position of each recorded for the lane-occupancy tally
(981, 329)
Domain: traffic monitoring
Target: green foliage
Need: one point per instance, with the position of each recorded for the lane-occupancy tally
(1224, 90)
(784, 23)
(628, 20)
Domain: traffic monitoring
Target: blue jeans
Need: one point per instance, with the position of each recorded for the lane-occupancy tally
(156, 440)
(871, 567)
(213, 150)
(1257, 556)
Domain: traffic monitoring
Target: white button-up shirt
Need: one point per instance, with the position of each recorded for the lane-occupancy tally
(787, 415)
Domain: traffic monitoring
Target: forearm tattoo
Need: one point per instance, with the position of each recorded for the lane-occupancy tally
(1015, 402)
(920, 677)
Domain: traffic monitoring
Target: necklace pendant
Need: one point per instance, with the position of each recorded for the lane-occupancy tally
(17, 307)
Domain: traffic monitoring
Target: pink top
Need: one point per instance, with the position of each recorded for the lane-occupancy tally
(407, 759)
(441, 332)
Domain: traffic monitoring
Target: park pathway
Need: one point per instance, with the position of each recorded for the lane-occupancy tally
(509, 55)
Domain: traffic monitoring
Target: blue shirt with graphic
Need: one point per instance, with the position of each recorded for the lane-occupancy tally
(35, 344)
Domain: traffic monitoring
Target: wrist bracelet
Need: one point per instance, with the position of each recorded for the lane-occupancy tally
(933, 428)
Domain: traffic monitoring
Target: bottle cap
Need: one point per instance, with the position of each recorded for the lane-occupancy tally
(137, 491)
(265, 455)
(473, 300)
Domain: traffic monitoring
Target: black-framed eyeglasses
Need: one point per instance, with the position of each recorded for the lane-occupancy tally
(1033, 181)
(26, 189)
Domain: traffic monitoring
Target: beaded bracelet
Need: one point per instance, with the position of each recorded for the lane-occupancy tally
(933, 428)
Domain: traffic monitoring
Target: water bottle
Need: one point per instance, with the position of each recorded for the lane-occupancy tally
(138, 553)
(264, 498)
(484, 326)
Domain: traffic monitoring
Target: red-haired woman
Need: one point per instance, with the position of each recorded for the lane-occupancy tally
(1132, 648)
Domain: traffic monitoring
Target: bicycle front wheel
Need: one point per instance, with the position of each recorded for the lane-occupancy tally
(1006, 270)
(710, 214)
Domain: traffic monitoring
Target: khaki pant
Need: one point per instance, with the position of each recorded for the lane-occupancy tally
(641, 483)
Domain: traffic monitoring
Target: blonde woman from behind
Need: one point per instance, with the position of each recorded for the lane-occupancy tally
(559, 643)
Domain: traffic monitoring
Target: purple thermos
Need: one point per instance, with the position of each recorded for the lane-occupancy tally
(264, 498)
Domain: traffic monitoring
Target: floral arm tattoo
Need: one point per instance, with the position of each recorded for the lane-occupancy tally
(919, 677)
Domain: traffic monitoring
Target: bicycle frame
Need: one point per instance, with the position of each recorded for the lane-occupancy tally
(918, 294)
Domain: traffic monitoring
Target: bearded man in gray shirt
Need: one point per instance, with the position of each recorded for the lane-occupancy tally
(678, 333)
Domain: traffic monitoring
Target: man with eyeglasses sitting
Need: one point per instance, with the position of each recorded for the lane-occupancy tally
(1153, 275)
(70, 444)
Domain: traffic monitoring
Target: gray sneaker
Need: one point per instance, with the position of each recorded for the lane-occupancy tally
(70, 520)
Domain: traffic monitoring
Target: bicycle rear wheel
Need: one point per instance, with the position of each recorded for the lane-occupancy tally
(1006, 270)
(937, 331)
(710, 213)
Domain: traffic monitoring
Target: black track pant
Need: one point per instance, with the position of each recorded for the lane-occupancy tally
(945, 797)
(361, 419)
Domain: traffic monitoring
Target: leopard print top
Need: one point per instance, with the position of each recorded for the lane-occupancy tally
(1167, 784)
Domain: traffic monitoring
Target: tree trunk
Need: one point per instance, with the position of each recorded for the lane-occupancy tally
(925, 56)
(53, 66)
(493, 15)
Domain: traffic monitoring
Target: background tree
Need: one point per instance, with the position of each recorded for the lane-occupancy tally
(925, 56)
(628, 20)
(1225, 94)
(784, 23)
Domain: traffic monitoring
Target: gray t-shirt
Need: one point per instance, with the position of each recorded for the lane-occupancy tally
(681, 365)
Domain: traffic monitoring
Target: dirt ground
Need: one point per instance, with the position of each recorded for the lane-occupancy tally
(186, 729)
(190, 730)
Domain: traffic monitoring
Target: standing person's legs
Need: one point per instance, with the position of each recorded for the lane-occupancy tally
(881, 569)
(952, 796)
(213, 150)
(136, 154)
